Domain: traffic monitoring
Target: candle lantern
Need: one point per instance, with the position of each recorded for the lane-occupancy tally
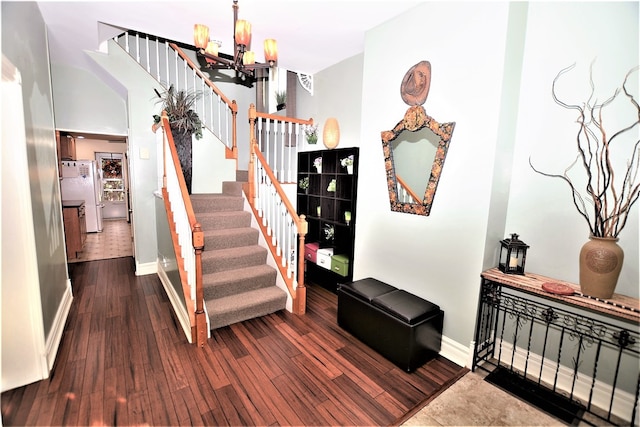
(513, 253)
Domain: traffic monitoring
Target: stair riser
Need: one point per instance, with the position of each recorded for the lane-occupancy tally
(224, 318)
(223, 262)
(218, 205)
(246, 238)
(242, 219)
(227, 288)
(232, 188)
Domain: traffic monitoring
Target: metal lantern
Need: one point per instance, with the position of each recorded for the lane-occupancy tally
(513, 253)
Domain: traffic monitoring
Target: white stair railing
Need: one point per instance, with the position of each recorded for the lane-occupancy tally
(170, 65)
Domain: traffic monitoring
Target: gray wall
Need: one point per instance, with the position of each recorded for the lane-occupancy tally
(492, 67)
(24, 43)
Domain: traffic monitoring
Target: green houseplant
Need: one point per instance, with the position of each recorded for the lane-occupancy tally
(605, 194)
(184, 123)
(281, 100)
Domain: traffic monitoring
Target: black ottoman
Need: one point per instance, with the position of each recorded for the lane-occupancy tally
(403, 327)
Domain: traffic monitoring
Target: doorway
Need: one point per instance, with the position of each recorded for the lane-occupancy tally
(114, 185)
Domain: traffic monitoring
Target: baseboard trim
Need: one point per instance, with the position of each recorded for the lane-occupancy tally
(454, 351)
(146, 268)
(57, 329)
(179, 310)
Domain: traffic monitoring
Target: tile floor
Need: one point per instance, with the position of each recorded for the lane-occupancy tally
(471, 401)
(114, 241)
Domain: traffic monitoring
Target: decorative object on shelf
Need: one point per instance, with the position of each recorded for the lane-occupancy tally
(513, 253)
(304, 183)
(607, 202)
(415, 85)
(184, 122)
(311, 133)
(331, 133)
(601, 261)
(329, 232)
(243, 61)
(347, 217)
(331, 188)
(317, 163)
(281, 100)
(319, 211)
(557, 288)
(347, 162)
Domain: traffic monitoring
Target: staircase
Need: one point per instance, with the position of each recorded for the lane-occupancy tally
(238, 284)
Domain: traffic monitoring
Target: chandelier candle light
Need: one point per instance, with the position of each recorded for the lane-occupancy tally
(243, 61)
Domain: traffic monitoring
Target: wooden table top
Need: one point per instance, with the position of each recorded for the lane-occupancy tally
(618, 306)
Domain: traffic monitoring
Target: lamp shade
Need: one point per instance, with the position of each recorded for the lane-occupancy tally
(270, 51)
(243, 32)
(331, 133)
(249, 58)
(212, 49)
(200, 36)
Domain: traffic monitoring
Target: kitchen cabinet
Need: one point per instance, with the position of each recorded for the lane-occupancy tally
(67, 146)
(326, 195)
(75, 226)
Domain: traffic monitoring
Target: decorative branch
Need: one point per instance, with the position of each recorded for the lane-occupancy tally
(604, 206)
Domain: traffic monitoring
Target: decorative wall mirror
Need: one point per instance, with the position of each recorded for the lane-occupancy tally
(415, 149)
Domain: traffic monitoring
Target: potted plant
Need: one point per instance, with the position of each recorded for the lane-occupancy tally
(605, 195)
(184, 123)
(304, 183)
(317, 163)
(347, 162)
(281, 100)
(311, 133)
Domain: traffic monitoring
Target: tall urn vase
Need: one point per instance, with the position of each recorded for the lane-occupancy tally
(600, 264)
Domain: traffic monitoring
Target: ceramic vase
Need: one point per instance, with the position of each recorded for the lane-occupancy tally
(350, 169)
(600, 264)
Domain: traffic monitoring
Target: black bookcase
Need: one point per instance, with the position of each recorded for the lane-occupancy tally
(327, 203)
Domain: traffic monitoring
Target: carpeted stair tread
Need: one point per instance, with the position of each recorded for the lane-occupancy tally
(230, 238)
(216, 202)
(223, 219)
(217, 260)
(247, 305)
(225, 283)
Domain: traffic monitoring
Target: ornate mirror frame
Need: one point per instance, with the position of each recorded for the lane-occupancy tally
(414, 120)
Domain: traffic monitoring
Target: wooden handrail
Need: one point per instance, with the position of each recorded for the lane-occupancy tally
(408, 189)
(196, 232)
(208, 82)
(233, 106)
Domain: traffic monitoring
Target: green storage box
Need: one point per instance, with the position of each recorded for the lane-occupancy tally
(340, 265)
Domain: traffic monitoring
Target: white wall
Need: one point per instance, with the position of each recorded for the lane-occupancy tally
(540, 208)
(22, 24)
(438, 257)
(492, 66)
(83, 102)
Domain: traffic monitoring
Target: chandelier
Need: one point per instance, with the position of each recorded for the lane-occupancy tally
(243, 61)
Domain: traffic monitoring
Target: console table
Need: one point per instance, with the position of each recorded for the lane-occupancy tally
(581, 349)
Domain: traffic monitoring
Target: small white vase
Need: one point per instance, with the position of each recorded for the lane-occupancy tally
(350, 169)
(319, 169)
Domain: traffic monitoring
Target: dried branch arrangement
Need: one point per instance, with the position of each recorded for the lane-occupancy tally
(605, 205)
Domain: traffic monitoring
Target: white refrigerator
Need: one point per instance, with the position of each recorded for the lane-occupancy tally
(81, 180)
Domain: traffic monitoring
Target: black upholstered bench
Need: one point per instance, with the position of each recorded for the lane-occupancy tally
(403, 327)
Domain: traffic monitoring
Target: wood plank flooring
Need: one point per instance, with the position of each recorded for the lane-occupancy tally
(124, 360)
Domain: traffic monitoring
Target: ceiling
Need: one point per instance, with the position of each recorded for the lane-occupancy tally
(311, 34)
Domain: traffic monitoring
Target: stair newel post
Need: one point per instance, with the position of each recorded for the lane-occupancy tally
(201, 318)
(165, 125)
(252, 153)
(300, 300)
(234, 130)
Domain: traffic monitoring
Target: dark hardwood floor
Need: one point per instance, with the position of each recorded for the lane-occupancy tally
(124, 360)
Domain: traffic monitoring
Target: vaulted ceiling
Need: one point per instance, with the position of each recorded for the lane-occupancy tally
(312, 35)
